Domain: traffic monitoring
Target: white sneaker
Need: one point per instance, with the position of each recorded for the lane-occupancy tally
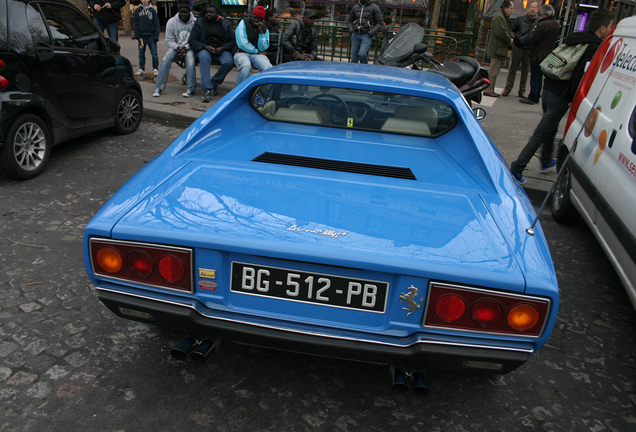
(140, 72)
(157, 93)
(155, 72)
(188, 94)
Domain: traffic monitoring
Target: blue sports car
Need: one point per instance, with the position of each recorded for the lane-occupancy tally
(353, 211)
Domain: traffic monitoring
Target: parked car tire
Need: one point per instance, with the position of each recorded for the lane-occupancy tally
(129, 113)
(26, 149)
(562, 209)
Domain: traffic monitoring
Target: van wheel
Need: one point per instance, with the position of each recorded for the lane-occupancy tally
(129, 113)
(26, 149)
(562, 209)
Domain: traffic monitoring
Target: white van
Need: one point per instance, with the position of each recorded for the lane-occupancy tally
(599, 180)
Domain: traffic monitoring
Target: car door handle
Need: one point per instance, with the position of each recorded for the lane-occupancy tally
(45, 52)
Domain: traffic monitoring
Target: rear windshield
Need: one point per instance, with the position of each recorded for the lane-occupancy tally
(354, 109)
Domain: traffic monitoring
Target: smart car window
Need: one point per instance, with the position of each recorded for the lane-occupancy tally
(354, 109)
(27, 28)
(69, 28)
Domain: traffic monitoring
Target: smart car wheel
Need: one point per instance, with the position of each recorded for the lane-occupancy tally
(562, 209)
(26, 149)
(129, 113)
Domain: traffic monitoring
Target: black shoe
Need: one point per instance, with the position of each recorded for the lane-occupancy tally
(205, 96)
(213, 92)
(527, 101)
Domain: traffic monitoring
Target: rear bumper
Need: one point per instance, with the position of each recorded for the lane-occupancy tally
(424, 353)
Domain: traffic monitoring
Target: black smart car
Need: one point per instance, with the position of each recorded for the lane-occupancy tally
(60, 78)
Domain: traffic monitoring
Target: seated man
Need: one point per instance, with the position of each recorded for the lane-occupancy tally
(252, 38)
(178, 31)
(300, 39)
(212, 38)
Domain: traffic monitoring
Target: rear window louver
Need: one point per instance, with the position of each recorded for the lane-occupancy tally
(334, 165)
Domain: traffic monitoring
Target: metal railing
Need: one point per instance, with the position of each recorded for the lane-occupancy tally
(334, 40)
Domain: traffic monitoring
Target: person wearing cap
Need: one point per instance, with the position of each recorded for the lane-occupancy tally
(178, 31)
(365, 20)
(300, 39)
(252, 39)
(212, 38)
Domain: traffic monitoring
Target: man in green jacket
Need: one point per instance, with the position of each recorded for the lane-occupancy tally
(500, 40)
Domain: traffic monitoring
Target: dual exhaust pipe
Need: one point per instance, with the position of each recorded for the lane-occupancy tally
(197, 350)
(403, 380)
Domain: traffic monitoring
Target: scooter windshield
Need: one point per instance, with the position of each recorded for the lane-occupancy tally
(401, 46)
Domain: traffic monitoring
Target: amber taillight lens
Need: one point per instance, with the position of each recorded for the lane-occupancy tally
(149, 264)
(477, 309)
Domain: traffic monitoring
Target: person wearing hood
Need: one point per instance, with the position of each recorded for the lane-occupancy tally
(500, 40)
(178, 31)
(212, 38)
(252, 39)
(106, 16)
(365, 20)
(558, 95)
(146, 29)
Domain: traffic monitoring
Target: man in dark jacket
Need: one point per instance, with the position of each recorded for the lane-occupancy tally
(300, 39)
(521, 49)
(365, 20)
(212, 39)
(498, 43)
(558, 95)
(542, 39)
(252, 40)
(106, 15)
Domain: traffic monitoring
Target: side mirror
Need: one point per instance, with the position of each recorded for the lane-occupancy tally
(480, 113)
(112, 46)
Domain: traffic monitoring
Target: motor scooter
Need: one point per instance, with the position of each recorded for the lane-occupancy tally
(405, 50)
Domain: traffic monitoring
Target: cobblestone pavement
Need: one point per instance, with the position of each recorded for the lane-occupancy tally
(67, 363)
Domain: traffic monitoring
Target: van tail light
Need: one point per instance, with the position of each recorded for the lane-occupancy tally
(4, 83)
(148, 264)
(603, 57)
(475, 309)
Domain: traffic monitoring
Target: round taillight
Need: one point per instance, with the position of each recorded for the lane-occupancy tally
(171, 268)
(140, 263)
(450, 307)
(486, 312)
(523, 317)
(109, 260)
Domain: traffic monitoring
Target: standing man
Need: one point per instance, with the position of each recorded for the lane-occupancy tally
(542, 39)
(365, 20)
(212, 39)
(300, 39)
(498, 43)
(252, 39)
(146, 30)
(178, 31)
(558, 95)
(521, 49)
(106, 15)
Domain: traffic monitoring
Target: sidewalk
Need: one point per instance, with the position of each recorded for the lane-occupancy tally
(509, 123)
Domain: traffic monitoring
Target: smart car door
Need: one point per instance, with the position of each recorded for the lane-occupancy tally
(76, 63)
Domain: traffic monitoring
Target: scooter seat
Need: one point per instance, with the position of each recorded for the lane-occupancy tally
(458, 73)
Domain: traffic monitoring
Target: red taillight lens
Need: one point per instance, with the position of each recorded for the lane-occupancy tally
(488, 311)
(3, 81)
(171, 268)
(140, 263)
(450, 307)
(154, 265)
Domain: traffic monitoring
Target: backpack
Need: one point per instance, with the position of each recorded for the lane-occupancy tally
(560, 63)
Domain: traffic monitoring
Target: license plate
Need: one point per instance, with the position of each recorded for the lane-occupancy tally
(328, 290)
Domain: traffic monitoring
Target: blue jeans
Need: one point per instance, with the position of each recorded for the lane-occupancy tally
(166, 63)
(112, 28)
(244, 63)
(554, 108)
(536, 81)
(360, 44)
(149, 41)
(205, 61)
